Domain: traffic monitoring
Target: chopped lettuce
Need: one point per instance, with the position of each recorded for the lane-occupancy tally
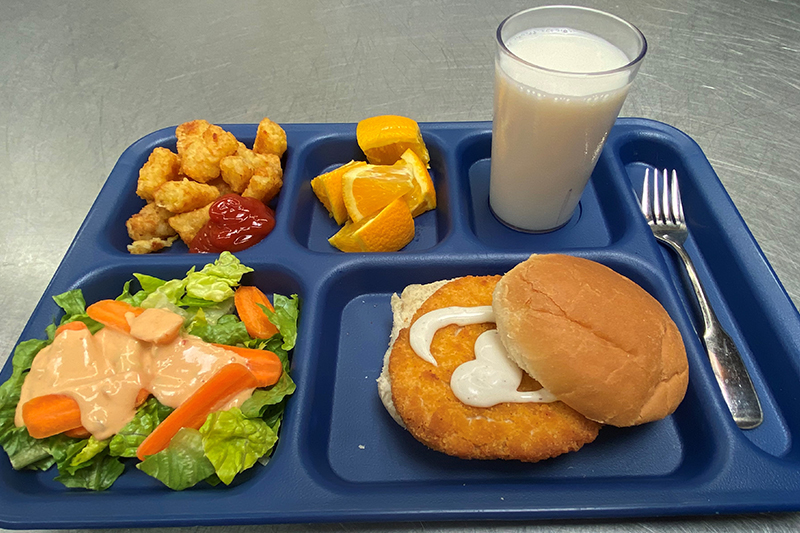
(149, 415)
(182, 464)
(229, 441)
(285, 318)
(233, 443)
(227, 330)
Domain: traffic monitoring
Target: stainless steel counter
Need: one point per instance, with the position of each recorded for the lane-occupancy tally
(79, 82)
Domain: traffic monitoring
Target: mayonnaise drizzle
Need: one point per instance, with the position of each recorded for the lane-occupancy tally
(426, 326)
(489, 379)
(492, 377)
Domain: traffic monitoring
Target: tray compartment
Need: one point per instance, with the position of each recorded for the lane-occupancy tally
(600, 219)
(363, 445)
(107, 281)
(119, 192)
(312, 226)
(728, 280)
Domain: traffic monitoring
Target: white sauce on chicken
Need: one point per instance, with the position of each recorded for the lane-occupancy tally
(489, 379)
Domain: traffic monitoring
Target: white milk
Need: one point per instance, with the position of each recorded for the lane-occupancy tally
(549, 127)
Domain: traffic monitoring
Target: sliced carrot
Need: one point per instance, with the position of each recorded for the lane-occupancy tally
(224, 385)
(75, 325)
(265, 365)
(49, 415)
(247, 300)
(142, 397)
(78, 433)
(113, 313)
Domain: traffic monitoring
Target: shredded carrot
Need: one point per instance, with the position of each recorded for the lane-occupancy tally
(75, 325)
(113, 313)
(247, 300)
(49, 415)
(265, 365)
(224, 385)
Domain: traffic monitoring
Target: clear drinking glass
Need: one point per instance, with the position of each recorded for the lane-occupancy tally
(561, 76)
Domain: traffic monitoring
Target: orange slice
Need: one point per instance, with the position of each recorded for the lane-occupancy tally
(387, 231)
(369, 188)
(422, 197)
(384, 139)
(328, 188)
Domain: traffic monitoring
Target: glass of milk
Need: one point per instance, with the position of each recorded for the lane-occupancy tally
(561, 77)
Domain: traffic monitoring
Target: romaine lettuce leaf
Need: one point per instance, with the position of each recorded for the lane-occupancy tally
(72, 302)
(74, 306)
(182, 464)
(98, 474)
(215, 281)
(24, 451)
(258, 405)
(147, 417)
(91, 448)
(228, 330)
(285, 317)
(234, 443)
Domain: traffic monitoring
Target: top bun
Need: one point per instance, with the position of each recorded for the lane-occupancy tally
(595, 339)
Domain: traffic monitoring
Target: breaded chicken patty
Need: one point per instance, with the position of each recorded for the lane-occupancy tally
(433, 415)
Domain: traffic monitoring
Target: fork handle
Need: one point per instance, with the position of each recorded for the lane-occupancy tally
(726, 361)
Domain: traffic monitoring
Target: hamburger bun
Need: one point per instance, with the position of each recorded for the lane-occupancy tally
(592, 337)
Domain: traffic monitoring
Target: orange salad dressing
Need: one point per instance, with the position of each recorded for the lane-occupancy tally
(104, 372)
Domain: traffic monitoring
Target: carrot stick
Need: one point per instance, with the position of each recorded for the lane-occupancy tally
(113, 313)
(49, 415)
(75, 325)
(224, 385)
(265, 365)
(247, 300)
(142, 397)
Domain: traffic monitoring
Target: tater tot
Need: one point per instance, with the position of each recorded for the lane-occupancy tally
(185, 195)
(221, 186)
(270, 139)
(201, 156)
(236, 170)
(189, 132)
(163, 165)
(188, 224)
(149, 222)
(146, 246)
(263, 188)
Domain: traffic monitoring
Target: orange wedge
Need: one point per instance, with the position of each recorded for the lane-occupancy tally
(328, 188)
(387, 231)
(369, 188)
(384, 139)
(422, 197)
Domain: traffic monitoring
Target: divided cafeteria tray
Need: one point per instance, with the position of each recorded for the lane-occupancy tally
(341, 457)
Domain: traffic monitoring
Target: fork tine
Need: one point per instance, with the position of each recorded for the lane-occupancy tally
(666, 205)
(677, 204)
(647, 208)
(656, 200)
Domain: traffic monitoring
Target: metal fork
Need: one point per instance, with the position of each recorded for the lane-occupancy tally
(664, 214)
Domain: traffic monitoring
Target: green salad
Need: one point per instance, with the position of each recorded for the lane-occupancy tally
(228, 443)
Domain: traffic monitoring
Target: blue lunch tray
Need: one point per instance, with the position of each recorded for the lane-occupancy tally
(341, 457)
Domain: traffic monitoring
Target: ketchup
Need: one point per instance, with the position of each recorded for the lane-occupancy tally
(236, 223)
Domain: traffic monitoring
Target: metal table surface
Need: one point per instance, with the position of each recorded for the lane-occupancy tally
(79, 82)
